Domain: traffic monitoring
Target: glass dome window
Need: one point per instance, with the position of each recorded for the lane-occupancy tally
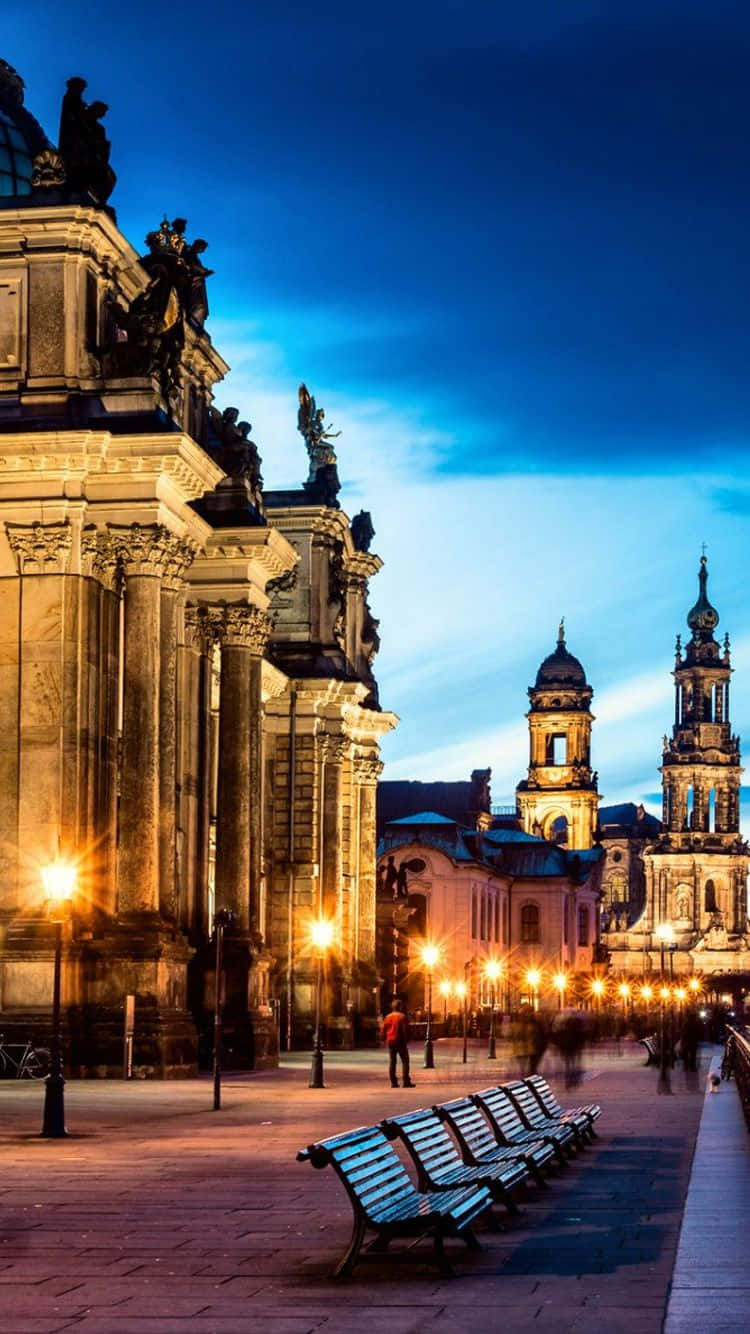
(15, 159)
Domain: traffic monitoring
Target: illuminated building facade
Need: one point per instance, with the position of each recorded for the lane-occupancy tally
(188, 707)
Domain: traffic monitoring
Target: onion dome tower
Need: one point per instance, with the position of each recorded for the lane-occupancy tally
(696, 875)
(559, 799)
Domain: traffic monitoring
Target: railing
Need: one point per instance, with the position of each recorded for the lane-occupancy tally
(736, 1065)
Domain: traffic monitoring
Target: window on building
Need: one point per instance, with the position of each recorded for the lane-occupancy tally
(583, 926)
(483, 926)
(557, 748)
(566, 915)
(689, 809)
(558, 831)
(473, 914)
(530, 924)
(496, 932)
(505, 921)
(710, 900)
(711, 813)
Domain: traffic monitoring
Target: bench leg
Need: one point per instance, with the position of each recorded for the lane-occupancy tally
(380, 1243)
(536, 1172)
(439, 1256)
(345, 1266)
(467, 1235)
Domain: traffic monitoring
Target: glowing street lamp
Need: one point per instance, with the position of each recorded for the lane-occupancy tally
(321, 938)
(533, 978)
(647, 994)
(492, 971)
(446, 991)
(430, 957)
(59, 880)
(598, 989)
(694, 985)
(462, 992)
(560, 982)
(681, 995)
(623, 992)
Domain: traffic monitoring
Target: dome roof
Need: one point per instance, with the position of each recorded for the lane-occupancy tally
(560, 668)
(703, 618)
(21, 136)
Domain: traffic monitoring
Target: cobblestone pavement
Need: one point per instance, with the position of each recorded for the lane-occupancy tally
(158, 1214)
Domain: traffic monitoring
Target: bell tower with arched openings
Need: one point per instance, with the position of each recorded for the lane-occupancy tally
(696, 874)
(559, 799)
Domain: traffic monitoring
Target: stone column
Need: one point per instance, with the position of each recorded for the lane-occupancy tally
(196, 770)
(367, 772)
(334, 750)
(145, 553)
(99, 560)
(179, 556)
(243, 633)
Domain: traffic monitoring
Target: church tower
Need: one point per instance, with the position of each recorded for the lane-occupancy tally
(559, 799)
(696, 875)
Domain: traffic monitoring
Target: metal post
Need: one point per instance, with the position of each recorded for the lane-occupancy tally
(665, 1084)
(316, 1070)
(222, 919)
(53, 1122)
(491, 1051)
(429, 1055)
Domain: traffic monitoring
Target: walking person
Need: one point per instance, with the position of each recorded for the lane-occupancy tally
(396, 1034)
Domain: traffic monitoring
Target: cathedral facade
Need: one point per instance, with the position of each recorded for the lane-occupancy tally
(188, 707)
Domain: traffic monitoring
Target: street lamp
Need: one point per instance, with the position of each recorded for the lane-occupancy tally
(222, 919)
(446, 991)
(647, 994)
(597, 991)
(59, 879)
(321, 935)
(665, 935)
(623, 992)
(430, 956)
(560, 982)
(492, 971)
(533, 978)
(694, 985)
(461, 992)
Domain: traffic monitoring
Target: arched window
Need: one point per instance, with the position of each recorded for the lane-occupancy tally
(496, 932)
(530, 924)
(710, 901)
(483, 924)
(473, 914)
(505, 921)
(583, 925)
(558, 831)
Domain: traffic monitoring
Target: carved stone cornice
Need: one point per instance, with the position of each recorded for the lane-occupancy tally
(239, 625)
(367, 771)
(41, 548)
(143, 548)
(99, 558)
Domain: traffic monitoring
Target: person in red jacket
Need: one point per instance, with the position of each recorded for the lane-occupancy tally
(396, 1034)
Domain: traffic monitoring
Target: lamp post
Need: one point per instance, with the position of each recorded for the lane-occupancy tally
(560, 983)
(59, 880)
(533, 978)
(647, 995)
(430, 956)
(461, 990)
(321, 935)
(492, 971)
(597, 991)
(446, 990)
(665, 935)
(222, 919)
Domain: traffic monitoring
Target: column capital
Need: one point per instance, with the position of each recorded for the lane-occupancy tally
(334, 749)
(150, 549)
(41, 548)
(367, 771)
(198, 632)
(239, 625)
(99, 557)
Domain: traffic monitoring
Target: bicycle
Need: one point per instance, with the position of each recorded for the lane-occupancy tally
(29, 1062)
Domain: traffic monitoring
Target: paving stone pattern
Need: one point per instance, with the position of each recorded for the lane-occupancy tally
(159, 1214)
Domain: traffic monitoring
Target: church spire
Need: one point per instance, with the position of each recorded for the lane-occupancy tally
(702, 617)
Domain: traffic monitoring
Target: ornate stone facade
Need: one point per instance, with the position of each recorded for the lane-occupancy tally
(186, 692)
(559, 799)
(696, 868)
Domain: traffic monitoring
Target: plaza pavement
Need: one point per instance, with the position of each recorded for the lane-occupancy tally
(158, 1214)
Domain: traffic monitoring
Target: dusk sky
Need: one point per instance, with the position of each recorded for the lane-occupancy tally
(507, 248)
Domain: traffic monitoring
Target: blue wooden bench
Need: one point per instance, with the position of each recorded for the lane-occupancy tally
(565, 1138)
(440, 1166)
(385, 1201)
(479, 1143)
(582, 1118)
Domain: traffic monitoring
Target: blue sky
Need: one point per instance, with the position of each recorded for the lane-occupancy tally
(507, 247)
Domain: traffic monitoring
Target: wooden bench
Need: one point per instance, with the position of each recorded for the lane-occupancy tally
(652, 1050)
(440, 1166)
(479, 1143)
(385, 1201)
(565, 1138)
(582, 1118)
(508, 1128)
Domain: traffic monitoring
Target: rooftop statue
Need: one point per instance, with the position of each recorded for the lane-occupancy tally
(362, 530)
(84, 147)
(235, 452)
(168, 246)
(322, 479)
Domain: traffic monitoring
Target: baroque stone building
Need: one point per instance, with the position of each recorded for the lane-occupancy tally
(696, 867)
(187, 703)
(559, 798)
